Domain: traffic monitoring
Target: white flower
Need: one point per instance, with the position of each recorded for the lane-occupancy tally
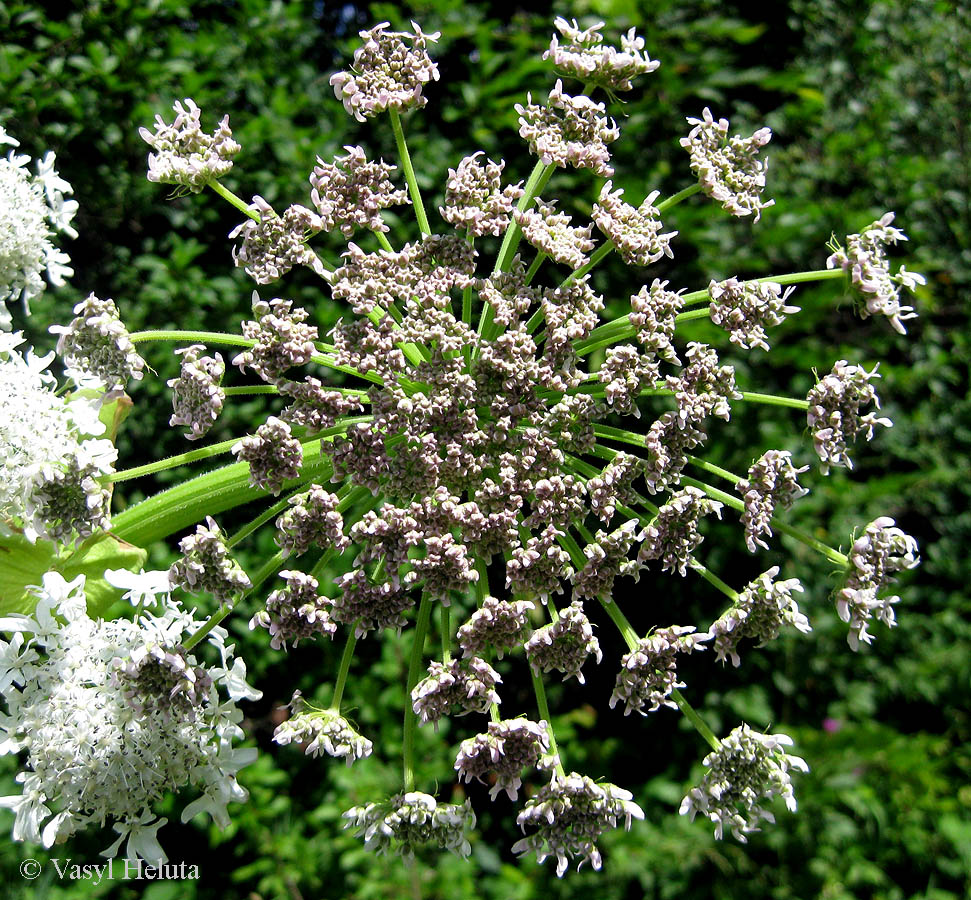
(90, 704)
(142, 589)
(45, 449)
(32, 209)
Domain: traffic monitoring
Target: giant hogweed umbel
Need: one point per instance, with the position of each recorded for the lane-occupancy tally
(446, 448)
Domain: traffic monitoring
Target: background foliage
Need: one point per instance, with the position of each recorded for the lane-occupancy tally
(867, 101)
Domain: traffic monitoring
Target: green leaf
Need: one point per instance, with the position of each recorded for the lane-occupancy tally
(90, 558)
(23, 564)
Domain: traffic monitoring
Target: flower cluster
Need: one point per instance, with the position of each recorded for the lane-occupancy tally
(351, 192)
(759, 612)
(834, 412)
(503, 752)
(32, 209)
(565, 645)
(745, 308)
(584, 56)
(648, 674)
(464, 454)
(411, 820)
(772, 482)
(272, 245)
(206, 566)
(295, 612)
(498, 624)
(112, 716)
(569, 130)
(323, 731)
(730, 171)
(197, 394)
(866, 261)
(475, 198)
(550, 231)
(456, 688)
(389, 72)
(96, 348)
(747, 769)
(635, 232)
(673, 535)
(568, 816)
(876, 555)
(184, 154)
(273, 454)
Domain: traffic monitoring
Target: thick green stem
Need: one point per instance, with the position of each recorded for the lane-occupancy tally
(270, 567)
(692, 314)
(383, 241)
(534, 266)
(346, 657)
(414, 670)
(537, 180)
(247, 390)
(264, 517)
(409, 171)
(191, 337)
(482, 584)
(773, 400)
(715, 470)
(619, 434)
(714, 580)
(832, 555)
(544, 713)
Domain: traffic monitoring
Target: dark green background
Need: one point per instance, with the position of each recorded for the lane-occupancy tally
(868, 104)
